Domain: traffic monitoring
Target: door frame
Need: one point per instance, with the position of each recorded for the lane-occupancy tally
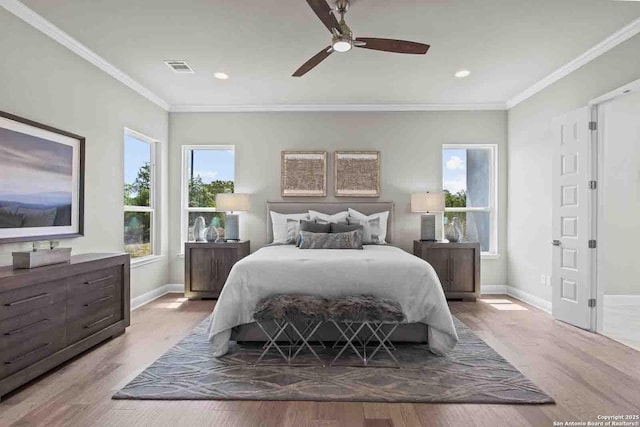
(597, 141)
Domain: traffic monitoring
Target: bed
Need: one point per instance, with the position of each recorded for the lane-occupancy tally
(381, 270)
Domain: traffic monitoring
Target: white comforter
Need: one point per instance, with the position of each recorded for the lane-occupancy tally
(384, 271)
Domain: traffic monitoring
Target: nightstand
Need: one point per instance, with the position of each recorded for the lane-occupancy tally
(207, 266)
(457, 266)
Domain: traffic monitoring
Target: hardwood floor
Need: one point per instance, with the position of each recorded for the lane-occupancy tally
(588, 375)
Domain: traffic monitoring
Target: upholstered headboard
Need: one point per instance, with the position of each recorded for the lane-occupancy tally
(330, 208)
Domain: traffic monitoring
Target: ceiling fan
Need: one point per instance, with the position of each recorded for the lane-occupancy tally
(343, 39)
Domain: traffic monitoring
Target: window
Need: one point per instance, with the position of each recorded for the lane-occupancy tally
(207, 171)
(469, 181)
(139, 194)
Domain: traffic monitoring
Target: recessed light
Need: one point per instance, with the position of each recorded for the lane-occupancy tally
(221, 76)
(462, 74)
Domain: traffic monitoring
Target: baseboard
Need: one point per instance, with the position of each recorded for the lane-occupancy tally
(156, 293)
(530, 299)
(620, 300)
(489, 289)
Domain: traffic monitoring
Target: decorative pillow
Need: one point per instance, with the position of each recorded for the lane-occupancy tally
(349, 240)
(344, 228)
(312, 227)
(279, 226)
(340, 217)
(38, 217)
(384, 218)
(370, 230)
(8, 220)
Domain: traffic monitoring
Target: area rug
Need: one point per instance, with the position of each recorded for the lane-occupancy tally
(472, 373)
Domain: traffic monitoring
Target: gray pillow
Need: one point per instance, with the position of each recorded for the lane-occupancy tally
(313, 227)
(349, 240)
(38, 217)
(344, 228)
(8, 220)
(371, 229)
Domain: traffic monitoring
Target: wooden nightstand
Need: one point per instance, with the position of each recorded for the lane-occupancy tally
(457, 265)
(207, 266)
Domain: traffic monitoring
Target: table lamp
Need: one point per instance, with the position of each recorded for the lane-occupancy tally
(427, 203)
(232, 202)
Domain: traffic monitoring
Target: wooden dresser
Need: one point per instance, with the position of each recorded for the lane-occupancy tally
(457, 265)
(207, 266)
(51, 314)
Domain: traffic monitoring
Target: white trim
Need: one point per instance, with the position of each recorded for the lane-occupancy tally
(493, 289)
(37, 21)
(625, 90)
(156, 293)
(145, 260)
(498, 106)
(619, 300)
(530, 299)
(601, 48)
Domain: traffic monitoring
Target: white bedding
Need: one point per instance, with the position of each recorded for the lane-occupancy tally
(384, 271)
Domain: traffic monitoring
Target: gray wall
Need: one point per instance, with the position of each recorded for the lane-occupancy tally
(43, 81)
(530, 154)
(410, 145)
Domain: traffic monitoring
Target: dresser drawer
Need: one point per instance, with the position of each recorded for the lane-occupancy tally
(28, 352)
(19, 328)
(24, 300)
(95, 280)
(93, 322)
(85, 304)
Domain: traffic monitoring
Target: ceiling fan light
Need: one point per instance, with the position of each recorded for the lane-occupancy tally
(342, 46)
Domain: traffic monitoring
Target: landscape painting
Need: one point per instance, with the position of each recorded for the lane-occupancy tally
(40, 181)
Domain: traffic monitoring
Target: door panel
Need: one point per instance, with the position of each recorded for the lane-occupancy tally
(439, 260)
(202, 270)
(462, 270)
(571, 210)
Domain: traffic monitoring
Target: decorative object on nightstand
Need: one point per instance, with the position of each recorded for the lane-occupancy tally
(453, 230)
(427, 203)
(457, 266)
(199, 230)
(207, 266)
(232, 202)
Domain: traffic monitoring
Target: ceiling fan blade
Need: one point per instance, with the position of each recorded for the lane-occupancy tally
(322, 9)
(310, 64)
(390, 45)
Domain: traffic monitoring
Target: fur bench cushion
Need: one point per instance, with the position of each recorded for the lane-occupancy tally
(293, 308)
(358, 308)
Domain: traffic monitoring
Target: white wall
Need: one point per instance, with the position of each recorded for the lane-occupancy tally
(410, 145)
(619, 197)
(529, 159)
(43, 81)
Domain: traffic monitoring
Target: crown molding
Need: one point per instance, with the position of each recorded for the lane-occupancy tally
(37, 21)
(334, 108)
(601, 48)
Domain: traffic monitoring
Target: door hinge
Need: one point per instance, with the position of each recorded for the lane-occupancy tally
(593, 125)
(592, 302)
(593, 185)
(593, 244)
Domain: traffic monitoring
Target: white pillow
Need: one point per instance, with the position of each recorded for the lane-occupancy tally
(335, 218)
(279, 225)
(370, 230)
(383, 216)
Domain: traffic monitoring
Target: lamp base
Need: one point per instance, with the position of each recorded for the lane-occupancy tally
(231, 227)
(428, 228)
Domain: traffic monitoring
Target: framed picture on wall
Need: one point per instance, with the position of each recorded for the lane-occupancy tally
(356, 173)
(304, 174)
(41, 181)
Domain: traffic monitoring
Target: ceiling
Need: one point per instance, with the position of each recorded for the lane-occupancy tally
(507, 44)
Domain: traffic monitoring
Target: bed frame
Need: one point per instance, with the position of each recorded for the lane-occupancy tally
(408, 332)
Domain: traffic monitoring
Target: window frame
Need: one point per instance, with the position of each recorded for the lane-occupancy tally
(184, 187)
(493, 194)
(153, 199)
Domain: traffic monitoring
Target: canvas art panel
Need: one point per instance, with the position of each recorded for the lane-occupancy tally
(40, 181)
(304, 173)
(357, 173)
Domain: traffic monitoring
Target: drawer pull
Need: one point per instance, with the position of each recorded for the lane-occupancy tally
(26, 328)
(24, 356)
(102, 279)
(23, 301)
(98, 301)
(97, 322)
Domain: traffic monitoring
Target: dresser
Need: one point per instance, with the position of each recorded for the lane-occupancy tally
(50, 314)
(457, 266)
(207, 266)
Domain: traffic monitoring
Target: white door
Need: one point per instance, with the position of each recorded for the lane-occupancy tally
(572, 231)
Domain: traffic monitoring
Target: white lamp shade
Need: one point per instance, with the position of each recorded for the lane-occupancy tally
(230, 202)
(427, 202)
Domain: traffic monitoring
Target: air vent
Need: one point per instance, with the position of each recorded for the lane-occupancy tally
(180, 67)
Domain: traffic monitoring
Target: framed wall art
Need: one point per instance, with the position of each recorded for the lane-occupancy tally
(356, 173)
(304, 174)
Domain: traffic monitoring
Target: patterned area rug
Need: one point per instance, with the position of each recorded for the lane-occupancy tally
(472, 373)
